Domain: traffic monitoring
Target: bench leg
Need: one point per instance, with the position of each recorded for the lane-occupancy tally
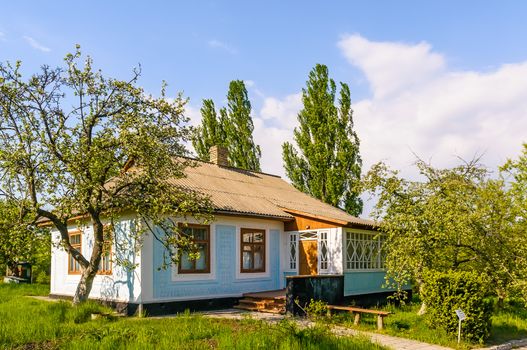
(380, 322)
(357, 319)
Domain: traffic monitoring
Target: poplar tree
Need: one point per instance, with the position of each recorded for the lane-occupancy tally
(233, 129)
(325, 162)
(238, 124)
(210, 132)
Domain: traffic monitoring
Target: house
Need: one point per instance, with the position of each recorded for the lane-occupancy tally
(264, 230)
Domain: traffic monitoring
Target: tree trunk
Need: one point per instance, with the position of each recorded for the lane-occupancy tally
(88, 274)
(85, 285)
(422, 310)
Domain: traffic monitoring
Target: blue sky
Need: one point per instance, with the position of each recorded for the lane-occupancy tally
(273, 43)
(440, 80)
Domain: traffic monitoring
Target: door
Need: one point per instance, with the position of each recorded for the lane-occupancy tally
(308, 257)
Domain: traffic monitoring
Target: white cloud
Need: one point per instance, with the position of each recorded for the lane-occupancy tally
(35, 44)
(282, 112)
(419, 105)
(273, 125)
(216, 44)
(193, 113)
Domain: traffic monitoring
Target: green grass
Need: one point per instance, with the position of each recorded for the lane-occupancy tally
(27, 323)
(508, 324)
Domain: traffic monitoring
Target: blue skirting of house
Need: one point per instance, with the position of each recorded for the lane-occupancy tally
(225, 281)
(364, 282)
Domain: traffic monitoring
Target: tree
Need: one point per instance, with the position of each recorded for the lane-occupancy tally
(19, 240)
(210, 133)
(232, 129)
(326, 163)
(112, 150)
(243, 153)
(456, 219)
(517, 176)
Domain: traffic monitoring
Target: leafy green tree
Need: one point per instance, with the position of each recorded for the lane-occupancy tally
(326, 162)
(210, 133)
(74, 142)
(243, 152)
(517, 176)
(233, 129)
(19, 240)
(455, 219)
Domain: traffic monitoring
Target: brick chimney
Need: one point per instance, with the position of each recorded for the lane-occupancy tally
(219, 155)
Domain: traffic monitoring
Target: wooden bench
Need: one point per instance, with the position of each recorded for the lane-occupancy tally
(358, 311)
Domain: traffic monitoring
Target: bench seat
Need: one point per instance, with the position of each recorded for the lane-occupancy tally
(358, 311)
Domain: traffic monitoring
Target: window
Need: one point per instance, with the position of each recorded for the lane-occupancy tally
(293, 248)
(252, 247)
(364, 251)
(200, 235)
(308, 235)
(105, 266)
(323, 250)
(76, 242)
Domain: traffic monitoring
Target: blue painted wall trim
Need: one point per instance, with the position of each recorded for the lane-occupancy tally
(364, 282)
(225, 282)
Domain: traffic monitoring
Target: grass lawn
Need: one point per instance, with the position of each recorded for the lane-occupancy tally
(508, 324)
(27, 323)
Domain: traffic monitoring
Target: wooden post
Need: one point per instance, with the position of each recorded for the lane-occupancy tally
(357, 319)
(380, 322)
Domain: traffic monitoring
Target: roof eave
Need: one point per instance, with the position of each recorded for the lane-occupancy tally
(251, 215)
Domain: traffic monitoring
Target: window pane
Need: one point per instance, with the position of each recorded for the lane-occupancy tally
(186, 263)
(247, 260)
(200, 234)
(201, 263)
(75, 239)
(258, 237)
(246, 248)
(247, 237)
(258, 257)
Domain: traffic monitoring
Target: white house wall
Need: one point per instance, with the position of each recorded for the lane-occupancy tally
(335, 250)
(124, 284)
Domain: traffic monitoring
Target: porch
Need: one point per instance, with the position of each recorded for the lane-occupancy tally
(272, 301)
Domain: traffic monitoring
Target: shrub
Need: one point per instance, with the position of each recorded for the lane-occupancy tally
(316, 309)
(444, 292)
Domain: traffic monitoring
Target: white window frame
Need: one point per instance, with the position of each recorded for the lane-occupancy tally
(322, 239)
(376, 240)
(292, 239)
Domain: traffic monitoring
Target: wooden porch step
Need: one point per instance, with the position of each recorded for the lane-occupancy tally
(262, 305)
(270, 301)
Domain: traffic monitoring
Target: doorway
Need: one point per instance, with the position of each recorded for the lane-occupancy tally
(308, 257)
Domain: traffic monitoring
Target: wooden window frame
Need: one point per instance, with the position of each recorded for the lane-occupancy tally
(207, 256)
(79, 248)
(263, 243)
(108, 244)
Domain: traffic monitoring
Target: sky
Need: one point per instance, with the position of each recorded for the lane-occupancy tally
(442, 81)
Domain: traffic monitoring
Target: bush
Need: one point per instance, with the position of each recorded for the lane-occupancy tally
(444, 292)
(316, 309)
